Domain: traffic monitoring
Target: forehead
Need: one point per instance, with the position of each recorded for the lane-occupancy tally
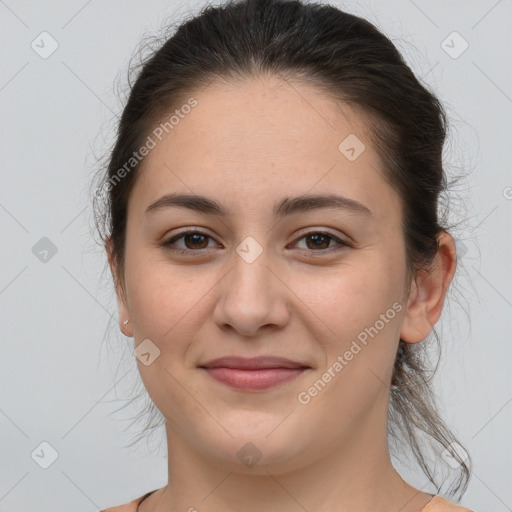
(251, 142)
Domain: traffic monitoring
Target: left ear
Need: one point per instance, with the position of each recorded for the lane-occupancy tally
(428, 292)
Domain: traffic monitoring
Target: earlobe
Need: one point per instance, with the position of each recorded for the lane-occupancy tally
(416, 325)
(428, 292)
(124, 315)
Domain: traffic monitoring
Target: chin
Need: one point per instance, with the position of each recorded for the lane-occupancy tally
(257, 446)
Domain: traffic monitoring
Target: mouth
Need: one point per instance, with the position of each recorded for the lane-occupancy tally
(253, 374)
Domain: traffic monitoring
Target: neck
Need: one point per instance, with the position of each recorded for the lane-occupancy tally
(355, 475)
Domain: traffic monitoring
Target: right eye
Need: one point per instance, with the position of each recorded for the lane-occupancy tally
(191, 237)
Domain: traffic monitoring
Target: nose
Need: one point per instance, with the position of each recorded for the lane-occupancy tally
(252, 296)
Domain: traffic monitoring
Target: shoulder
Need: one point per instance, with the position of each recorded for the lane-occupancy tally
(438, 504)
(132, 506)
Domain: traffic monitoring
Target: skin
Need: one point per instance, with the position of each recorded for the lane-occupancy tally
(248, 145)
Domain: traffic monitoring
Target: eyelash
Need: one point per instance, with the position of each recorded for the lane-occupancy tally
(167, 244)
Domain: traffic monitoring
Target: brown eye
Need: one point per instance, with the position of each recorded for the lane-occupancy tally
(193, 240)
(317, 241)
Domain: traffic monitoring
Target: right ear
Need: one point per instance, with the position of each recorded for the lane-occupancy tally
(124, 313)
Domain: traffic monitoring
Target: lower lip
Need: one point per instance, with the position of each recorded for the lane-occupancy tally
(254, 379)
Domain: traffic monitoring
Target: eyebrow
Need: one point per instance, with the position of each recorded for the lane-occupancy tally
(287, 206)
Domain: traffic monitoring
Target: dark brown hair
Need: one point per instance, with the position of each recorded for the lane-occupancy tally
(349, 59)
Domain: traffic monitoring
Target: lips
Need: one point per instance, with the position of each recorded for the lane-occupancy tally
(253, 374)
(254, 363)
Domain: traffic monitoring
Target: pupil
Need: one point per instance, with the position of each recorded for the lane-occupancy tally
(316, 238)
(195, 237)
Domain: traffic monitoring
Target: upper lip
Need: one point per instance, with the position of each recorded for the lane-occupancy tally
(253, 363)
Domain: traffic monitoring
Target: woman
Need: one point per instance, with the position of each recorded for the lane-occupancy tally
(272, 230)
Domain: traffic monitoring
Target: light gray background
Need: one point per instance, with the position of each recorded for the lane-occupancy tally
(61, 380)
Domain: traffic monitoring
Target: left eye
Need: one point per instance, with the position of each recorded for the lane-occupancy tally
(320, 241)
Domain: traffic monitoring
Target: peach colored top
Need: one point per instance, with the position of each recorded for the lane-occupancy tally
(436, 504)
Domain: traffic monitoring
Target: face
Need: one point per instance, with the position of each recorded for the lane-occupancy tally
(320, 285)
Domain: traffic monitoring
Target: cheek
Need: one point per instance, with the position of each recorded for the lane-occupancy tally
(172, 306)
(362, 308)
(167, 307)
(163, 298)
(350, 298)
